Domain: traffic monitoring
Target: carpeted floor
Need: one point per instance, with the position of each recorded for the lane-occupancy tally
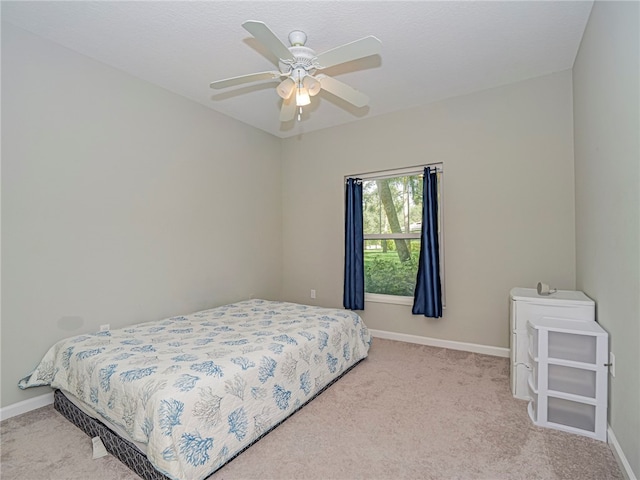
(406, 412)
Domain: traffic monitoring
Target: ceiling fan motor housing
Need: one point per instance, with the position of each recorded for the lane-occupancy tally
(303, 56)
(297, 38)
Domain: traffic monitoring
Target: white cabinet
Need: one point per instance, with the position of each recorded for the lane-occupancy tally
(525, 305)
(567, 383)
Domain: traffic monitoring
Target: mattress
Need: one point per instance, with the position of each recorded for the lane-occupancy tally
(197, 389)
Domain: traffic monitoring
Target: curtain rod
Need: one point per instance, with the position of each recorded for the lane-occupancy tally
(400, 172)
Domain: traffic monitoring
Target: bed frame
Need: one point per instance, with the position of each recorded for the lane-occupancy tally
(127, 452)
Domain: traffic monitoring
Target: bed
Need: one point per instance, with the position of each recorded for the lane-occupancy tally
(191, 392)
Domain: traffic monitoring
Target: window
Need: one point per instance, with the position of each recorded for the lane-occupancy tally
(392, 224)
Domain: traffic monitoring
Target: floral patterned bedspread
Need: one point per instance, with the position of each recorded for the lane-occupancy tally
(199, 388)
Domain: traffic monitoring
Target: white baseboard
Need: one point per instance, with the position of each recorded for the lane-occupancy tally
(26, 406)
(436, 342)
(625, 467)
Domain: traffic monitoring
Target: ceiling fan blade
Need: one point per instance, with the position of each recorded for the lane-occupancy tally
(350, 51)
(343, 91)
(288, 110)
(252, 77)
(265, 36)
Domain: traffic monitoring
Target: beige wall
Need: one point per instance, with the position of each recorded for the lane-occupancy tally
(121, 202)
(508, 202)
(607, 156)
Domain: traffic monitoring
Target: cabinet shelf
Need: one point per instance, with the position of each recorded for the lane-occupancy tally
(574, 364)
(572, 397)
(570, 429)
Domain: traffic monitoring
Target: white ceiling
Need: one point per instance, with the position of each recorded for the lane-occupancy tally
(431, 50)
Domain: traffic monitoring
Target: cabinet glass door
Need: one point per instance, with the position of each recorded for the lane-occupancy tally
(567, 346)
(572, 414)
(577, 381)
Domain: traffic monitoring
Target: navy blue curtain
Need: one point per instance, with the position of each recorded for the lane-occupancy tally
(427, 299)
(353, 247)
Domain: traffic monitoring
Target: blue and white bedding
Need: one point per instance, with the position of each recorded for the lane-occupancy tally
(197, 389)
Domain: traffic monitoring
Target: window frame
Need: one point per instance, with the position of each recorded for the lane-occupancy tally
(402, 172)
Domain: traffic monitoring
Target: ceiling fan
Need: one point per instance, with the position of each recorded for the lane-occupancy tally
(298, 65)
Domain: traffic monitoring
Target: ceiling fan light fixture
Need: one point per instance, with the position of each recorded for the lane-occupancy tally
(302, 96)
(312, 85)
(285, 88)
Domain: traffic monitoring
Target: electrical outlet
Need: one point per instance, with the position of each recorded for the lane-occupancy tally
(313, 293)
(612, 364)
(105, 328)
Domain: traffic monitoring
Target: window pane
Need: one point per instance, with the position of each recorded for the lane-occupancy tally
(392, 205)
(391, 266)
